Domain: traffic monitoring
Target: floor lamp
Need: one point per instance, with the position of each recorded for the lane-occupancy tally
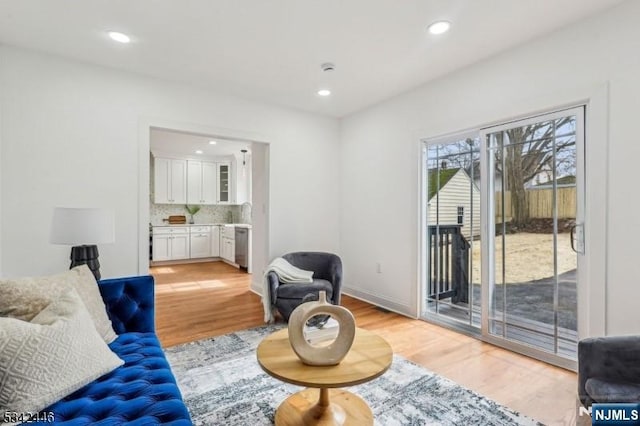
(83, 228)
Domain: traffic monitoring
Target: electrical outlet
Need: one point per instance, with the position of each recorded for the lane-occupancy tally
(378, 267)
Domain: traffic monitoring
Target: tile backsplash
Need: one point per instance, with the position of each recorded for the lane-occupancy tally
(207, 214)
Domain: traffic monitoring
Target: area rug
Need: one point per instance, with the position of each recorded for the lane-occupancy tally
(222, 384)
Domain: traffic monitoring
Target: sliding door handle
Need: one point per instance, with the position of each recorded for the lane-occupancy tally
(577, 238)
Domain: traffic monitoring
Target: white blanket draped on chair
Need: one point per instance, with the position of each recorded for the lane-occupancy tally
(287, 273)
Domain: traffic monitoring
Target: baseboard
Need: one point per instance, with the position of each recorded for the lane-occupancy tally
(184, 261)
(256, 287)
(228, 262)
(390, 305)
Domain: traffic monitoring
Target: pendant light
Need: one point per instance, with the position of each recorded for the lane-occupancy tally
(244, 162)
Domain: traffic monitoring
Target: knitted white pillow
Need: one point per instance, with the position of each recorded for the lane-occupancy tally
(55, 354)
(24, 298)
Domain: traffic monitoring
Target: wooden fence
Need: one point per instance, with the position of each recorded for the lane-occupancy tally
(541, 203)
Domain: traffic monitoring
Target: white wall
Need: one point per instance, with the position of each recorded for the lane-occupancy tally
(243, 182)
(71, 136)
(380, 149)
(259, 209)
(1, 179)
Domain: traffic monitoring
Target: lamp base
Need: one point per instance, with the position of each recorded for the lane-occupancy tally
(86, 255)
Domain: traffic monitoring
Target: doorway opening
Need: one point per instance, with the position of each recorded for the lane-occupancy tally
(200, 206)
(204, 204)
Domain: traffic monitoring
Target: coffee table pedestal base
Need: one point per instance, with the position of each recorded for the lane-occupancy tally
(323, 407)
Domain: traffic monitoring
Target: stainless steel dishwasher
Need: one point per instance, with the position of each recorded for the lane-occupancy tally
(242, 247)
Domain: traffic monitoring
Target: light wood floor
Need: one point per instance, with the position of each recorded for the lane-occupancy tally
(196, 301)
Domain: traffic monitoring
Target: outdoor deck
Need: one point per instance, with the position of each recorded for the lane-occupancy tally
(541, 312)
(530, 332)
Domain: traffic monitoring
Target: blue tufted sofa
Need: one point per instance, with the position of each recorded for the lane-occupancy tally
(141, 392)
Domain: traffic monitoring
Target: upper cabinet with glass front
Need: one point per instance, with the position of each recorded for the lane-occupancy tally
(224, 183)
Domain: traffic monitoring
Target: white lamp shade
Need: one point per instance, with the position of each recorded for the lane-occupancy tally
(78, 226)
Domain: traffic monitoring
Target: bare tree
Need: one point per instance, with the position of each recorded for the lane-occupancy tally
(462, 154)
(529, 151)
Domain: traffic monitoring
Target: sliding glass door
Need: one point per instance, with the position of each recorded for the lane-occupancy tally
(534, 188)
(452, 195)
(502, 233)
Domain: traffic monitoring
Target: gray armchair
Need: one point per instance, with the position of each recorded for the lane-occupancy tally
(609, 369)
(327, 276)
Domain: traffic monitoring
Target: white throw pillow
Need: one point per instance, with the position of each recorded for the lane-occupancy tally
(52, 356)
(24, 298)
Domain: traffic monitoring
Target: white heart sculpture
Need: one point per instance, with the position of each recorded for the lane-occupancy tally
(331, 354)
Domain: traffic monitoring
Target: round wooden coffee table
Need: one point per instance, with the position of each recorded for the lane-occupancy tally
(369, 357)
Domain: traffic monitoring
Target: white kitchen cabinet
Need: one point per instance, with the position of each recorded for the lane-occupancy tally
(170, 243)
(170, 181)
(180, 247)
(242, 187)
(215, 241)
(224, 183)
(161, 248)
(228, 243)
(201, 182)
(200, 242)
(228, 249)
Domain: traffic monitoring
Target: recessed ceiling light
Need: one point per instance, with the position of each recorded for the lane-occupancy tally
(439, 27)
(212, 142)
(119, 37)
(199, 151)
(324, 92)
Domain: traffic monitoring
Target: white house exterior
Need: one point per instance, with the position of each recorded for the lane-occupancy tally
(457, 195)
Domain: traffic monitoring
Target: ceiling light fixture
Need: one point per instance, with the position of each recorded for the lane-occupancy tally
(119, 37)
(439, 27)
(244, 162)
(328, 66)
(212, 142)
(199, 151)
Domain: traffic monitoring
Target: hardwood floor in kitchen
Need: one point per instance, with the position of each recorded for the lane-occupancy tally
(199, 300)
